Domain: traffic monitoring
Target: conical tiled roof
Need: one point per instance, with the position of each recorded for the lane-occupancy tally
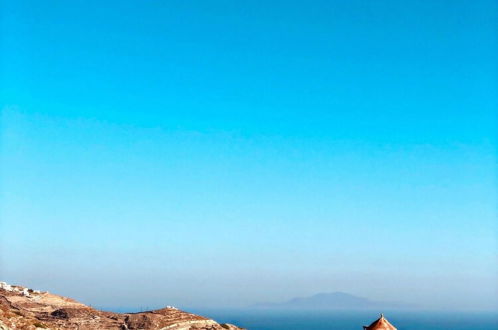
(380, 324)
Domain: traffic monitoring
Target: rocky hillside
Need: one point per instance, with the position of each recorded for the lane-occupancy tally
(22, 308)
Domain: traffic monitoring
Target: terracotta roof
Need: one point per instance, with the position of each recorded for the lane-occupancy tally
(380, 324)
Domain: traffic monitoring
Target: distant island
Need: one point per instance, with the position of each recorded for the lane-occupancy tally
(334, 300)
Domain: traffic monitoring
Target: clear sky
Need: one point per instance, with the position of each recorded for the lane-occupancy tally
(223, 153)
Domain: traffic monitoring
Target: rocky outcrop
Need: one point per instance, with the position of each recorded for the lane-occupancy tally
(380, 324)
(22, 308)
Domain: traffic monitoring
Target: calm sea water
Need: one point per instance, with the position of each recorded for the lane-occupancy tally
(352, 320)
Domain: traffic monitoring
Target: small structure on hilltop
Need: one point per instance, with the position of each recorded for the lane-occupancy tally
(381, 324)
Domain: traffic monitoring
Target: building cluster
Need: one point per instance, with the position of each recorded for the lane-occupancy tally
(17, 289)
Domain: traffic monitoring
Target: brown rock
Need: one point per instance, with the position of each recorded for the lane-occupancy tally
(380, 324)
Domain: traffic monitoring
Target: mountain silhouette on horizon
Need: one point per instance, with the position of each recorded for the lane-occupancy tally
(333, 300)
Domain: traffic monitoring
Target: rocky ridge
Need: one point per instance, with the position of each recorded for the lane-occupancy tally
(23, 308)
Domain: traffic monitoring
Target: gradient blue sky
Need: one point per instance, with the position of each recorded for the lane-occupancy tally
(222, 153)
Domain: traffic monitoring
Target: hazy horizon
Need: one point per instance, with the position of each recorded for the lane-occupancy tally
(222, 153)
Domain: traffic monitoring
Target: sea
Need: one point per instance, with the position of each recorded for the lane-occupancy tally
(351, 320)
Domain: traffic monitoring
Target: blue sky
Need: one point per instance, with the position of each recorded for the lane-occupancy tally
(223, 153)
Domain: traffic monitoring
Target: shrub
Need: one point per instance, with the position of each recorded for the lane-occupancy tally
(40, 325)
